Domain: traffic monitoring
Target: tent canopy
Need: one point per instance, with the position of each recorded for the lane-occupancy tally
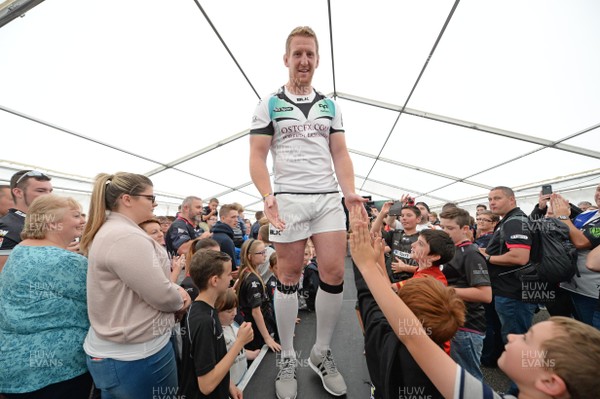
(441, 99)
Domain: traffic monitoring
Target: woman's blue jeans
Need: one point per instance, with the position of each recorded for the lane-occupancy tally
(152, 377)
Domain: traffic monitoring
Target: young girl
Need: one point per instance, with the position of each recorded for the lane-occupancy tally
(227, 304)
(254, 305)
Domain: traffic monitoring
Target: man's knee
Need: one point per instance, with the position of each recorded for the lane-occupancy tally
(290, 276)
(332, 274)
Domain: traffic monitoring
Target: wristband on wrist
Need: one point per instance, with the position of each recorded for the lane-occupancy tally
(266, 195)
(487, 258)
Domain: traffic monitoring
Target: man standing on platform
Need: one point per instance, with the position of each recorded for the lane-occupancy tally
(303, 130)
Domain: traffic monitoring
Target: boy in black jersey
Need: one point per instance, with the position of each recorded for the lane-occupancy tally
(399, 263)
(206, 361)
(467, 272)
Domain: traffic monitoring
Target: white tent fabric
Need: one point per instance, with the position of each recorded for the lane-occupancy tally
(441, 99)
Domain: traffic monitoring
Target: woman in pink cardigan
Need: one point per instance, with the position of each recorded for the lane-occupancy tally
(132, 303)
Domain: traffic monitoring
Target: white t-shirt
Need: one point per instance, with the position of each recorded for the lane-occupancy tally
(240, 364)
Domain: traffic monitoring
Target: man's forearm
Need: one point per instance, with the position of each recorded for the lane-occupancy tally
(344, 171)
(510, 258)
(260, 176)
(576, 236)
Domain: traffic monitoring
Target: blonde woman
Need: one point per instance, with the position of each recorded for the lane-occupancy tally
(43, 313)
(131, 300)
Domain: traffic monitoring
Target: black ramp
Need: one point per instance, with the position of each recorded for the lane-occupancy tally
(347, 347)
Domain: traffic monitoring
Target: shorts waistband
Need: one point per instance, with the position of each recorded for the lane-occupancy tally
(294, 193)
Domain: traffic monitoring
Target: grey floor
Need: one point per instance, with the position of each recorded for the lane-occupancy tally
(347, 347)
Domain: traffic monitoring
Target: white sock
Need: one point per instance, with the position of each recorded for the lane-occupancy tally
(328, 307)
(286, 312)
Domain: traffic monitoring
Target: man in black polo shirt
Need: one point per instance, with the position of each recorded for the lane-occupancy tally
(25, 186)
(507, 252)
(184, 229)
(505, 256)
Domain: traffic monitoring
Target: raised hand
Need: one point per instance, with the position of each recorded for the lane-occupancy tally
(362, 250)
(245, 333)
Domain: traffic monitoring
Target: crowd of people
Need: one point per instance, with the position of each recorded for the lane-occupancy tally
(120, 303)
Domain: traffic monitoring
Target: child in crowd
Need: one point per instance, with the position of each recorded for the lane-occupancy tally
(400, 263)
(227, 304)
(432, 249)
(309, 281)
(557, 358)
(302, 293)
(391, 367)
(264, 269)
(271, 283)
(206, 360)
(198, 245)
(254, 305)
(467, 272)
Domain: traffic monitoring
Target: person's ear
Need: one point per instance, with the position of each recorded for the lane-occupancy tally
(212, 281)
(551, 384)
(18, 193)
(285, 60)
(433, 258)
(126, 200)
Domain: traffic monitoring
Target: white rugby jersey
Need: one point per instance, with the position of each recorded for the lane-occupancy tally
(300, 126)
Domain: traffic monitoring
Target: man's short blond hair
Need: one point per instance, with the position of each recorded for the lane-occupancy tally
(304, 31)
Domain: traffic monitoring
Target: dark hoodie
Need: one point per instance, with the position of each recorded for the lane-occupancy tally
(223, 234)
(392, 368)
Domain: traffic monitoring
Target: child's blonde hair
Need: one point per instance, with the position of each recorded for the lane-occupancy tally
(574, 354)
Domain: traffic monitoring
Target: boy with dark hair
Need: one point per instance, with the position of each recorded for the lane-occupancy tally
(467, 273)
(206, 361)
(432, 249)
(400, 264)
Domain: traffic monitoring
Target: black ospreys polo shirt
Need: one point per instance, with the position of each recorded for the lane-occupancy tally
(505, 282)
(180, 232)
(11, 226)
(203, 347)
(468, 269)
